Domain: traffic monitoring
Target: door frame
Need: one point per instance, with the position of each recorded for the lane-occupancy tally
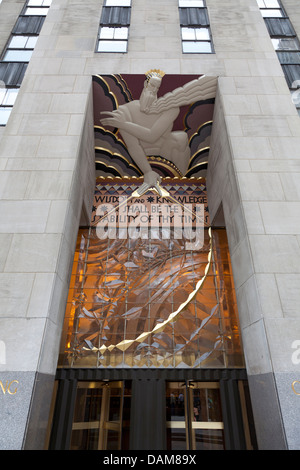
(103, 424)
(188, 424)
(237, 414)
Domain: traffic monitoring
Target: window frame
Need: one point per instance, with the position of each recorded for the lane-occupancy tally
(289, 58)
(285, 38)
(19, 49)
(36, 11)
(5, 104)
(14, 68)
(265, 11)
(197, 41)
(191, 6)
(40, 3)
(270, 9)
(112, 40)
(109, 3)
(119, 44)
(294, 90)
(40, 9)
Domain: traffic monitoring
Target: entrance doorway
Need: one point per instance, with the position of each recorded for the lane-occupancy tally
(152, 410)
(194, 416)
(98, 422)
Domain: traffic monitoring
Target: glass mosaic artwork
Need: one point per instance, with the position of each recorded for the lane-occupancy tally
(124, 295)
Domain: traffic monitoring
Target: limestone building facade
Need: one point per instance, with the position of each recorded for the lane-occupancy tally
(51, 54)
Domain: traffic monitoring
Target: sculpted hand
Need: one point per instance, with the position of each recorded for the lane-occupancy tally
(115, 118)
(151, 180)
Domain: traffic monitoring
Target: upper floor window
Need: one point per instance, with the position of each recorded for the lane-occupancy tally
(114, 26)
(285, 42)
(195, 28)
(18, 51)
(113, 39)
(7, 100)
(20, 48)
(37, 7)
(191, 3)
(270, 8)
(196, 40)
(118, 3)
(268, 3)
(39, 3)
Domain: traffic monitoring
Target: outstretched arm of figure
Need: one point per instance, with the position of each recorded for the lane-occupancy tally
(116, 119)
(151, 178)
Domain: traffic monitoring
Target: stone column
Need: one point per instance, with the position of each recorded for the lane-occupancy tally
(46, 186)
(253, 183)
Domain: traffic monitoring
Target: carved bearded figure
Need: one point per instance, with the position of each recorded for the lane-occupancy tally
(146, 124)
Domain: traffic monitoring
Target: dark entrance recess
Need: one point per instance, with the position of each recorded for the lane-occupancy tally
(127, 409)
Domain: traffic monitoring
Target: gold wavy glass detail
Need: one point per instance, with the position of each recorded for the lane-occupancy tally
(195, 154)
(106, 131)
(200, 127)
(109, 166)
(196, 166)
(109, 91)
(165, 164)
(115, 154)
(140, 178)
(127, 92)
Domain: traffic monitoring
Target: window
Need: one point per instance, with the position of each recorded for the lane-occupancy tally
(20, 49)
(37, 7)
(295, 94)
(195, 30)
(114, 26)
(39, 3)
(17, 53)
(196, 40)
(285, 42)
(7, 100)
(118, 3)
(268, 3)
(36, 11)
(191, 3)
(270, 9)
(113, 39)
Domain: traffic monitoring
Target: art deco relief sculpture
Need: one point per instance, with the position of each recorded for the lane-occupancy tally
(145, 297)
(146, 124)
